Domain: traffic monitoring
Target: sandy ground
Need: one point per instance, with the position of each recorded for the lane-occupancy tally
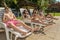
(52, 33)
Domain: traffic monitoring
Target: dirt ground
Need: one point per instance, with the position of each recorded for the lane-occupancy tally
(52, 33)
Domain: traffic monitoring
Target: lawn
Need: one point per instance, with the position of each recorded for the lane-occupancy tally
(55, 14)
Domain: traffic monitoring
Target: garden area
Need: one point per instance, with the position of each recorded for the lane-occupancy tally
(51, 6)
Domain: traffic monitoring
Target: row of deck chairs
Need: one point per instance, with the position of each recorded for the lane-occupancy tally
(27, 20)
(8, 30)
(41, 26)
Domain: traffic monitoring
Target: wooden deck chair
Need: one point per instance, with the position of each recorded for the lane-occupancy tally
(29, 21)
(25, 20)
(31, 11)
(7, 30)
(21, 11)
(2, 25)
(40, 25)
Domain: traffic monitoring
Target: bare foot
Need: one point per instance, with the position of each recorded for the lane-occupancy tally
(36, 29)
(24, 33)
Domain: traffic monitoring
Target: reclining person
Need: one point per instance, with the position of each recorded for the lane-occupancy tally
(41, 12)
(50, 18)
(43, 18)
(36, 18)
(26, 15)
(48, 15)
(11, 21)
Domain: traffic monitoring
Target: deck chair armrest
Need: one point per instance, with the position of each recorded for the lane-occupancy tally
(38, 24)
(2, 24)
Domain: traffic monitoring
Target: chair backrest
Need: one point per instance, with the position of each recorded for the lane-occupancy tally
(21, 11)
(3, 25)
(31, 11)
(22, 15)
(24, 19)
(1, 13)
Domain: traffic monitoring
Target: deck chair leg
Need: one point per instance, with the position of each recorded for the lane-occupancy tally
(32, 25)
(16, 37)
(42, 31)
(7, 35)
(11, 36)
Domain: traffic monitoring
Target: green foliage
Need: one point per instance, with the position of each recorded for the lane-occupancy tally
(52, 1)
(11, 3)
(1, 2)
(43, 4)
(15, 1)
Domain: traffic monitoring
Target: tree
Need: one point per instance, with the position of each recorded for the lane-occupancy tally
(11, 3)
(1, 2)
(8, 2)
(52, 1)
(43, 4)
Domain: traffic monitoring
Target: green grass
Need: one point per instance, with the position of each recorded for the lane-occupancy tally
(55, 14)
(19, 18)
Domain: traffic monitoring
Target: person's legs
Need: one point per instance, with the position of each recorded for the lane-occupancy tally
(20, 23)
(39, 21)
(42, 22)
(16, 28)
(28, 27)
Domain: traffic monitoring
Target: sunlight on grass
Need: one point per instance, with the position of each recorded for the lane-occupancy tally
(19, 18)
(55, 14)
